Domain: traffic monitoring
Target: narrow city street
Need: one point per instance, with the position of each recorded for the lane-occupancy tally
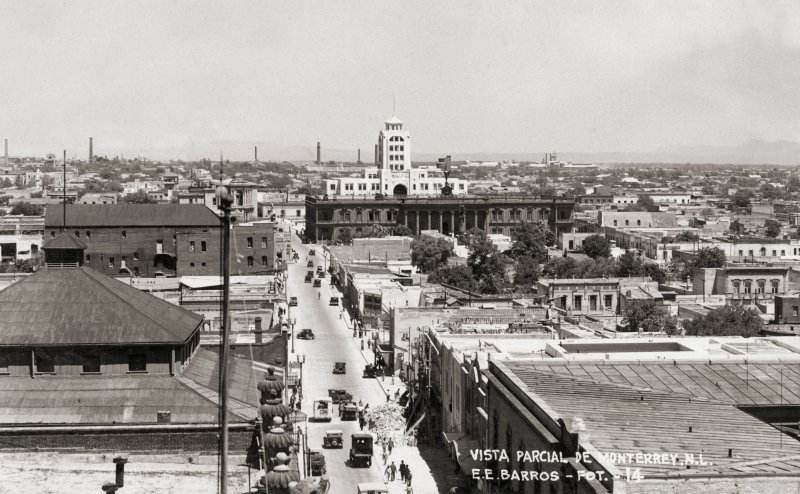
(334, 342)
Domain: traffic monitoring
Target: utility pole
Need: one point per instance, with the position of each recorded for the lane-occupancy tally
(224, 201)
(64, 194)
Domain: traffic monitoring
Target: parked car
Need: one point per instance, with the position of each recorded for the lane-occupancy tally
(305, 334)
(292, 301)
(312, 252)
(310, 264)
(317, 283)
(334, 301)
(321, 274)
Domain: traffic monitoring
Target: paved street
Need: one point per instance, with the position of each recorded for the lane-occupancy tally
(334, 343)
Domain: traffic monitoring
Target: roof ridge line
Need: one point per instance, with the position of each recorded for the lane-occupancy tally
(147, 315)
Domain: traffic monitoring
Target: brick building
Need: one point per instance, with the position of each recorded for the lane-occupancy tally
(152, 240)
(327, 219)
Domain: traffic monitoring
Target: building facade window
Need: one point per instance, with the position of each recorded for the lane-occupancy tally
(203, 246)
(137, 362)
(263, 242)
(191, 246)
(264, 261)
(91, 364)
(44, 362)
(249, 261)
(249, 242)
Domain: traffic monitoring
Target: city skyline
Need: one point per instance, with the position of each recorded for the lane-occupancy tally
(523, 78)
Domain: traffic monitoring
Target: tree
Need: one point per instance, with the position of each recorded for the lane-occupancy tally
(402, 231)
(309, 190)
(710, 257)
(531, 239)
(729, 320)
(430, 253)
(484, 260)
(139, 197)
(596, 246)
(741, 199)
(646, 316)
(27, 209)
(345, 236)
(687, 237)
(372, 231)
(559, 267)
(459, 276)
(773, 228)
(527, 272)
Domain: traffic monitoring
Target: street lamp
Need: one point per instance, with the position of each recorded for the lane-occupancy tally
(292, 322)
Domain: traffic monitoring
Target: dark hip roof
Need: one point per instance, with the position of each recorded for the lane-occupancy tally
(83, 307)
(131, 215)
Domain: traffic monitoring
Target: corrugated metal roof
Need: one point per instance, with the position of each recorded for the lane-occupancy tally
(64, 240)
(623, 419)
(102, 400)
(89, 215)
(82, 306)
(752, 383)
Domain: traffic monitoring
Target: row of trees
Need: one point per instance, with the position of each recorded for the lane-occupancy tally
(728, 320)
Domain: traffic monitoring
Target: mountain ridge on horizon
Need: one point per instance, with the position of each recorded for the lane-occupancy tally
(753, 152)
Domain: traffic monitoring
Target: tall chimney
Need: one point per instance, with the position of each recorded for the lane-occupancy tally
(319, 156)
(6, 155)
(256, 153)
(359, 156)
(376, 155)
(91, 151)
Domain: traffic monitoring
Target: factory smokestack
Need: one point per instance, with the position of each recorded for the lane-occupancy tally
(91, 150)
(319, 155)
(359, 156)
(5, 156)
(256, 153)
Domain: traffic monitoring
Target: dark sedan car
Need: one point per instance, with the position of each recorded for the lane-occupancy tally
(305, 334)
(310, 264)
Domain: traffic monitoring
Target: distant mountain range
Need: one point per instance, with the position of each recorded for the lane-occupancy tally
(753, 152)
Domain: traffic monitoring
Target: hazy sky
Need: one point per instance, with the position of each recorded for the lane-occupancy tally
(467, 75)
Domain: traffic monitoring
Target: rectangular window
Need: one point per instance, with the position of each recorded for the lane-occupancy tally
(3, 364)
(45, 364)
(249, 242)
(124, 234)
(264, 261)
(78, 234)
(88, 234)
(110, 262)
(249, 261)
(159, 246)
(135, 256)
(592, 302)
(137, 362)
(297, 213)
(191, 246)
(795, 311)
(263, 242)
(607, 301)
(88, 257)
(91, 364)
(578, 300)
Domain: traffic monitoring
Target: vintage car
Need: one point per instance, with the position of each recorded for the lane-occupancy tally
(317, 462)
(339, 396)
(305, 334)
(310, 264)
(333, 301)
(320, 274)
(333, 439)
(361, 449)
(348, 411)
(309, 277)
(340, 368)
(372, 488)
(292, 301)
(312, 252)
(317, 283)
(322, 409)
(371, 371)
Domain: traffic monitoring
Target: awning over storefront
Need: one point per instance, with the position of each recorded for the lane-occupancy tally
(461, 444)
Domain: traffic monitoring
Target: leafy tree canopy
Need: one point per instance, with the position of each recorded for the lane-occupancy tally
(428, 253)
(729, 320)
(596, 246)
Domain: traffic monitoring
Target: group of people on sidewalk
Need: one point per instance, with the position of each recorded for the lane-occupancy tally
(390, 473)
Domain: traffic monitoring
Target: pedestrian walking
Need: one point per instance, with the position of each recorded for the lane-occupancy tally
(362, 422)
(391, 445)
(385, 457)
(383, 444)
(392, 471)
(408, 476)
(403, 470)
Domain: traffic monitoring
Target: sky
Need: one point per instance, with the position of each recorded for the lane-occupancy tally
(467, 76)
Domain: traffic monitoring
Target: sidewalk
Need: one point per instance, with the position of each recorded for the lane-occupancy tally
(430, 469)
